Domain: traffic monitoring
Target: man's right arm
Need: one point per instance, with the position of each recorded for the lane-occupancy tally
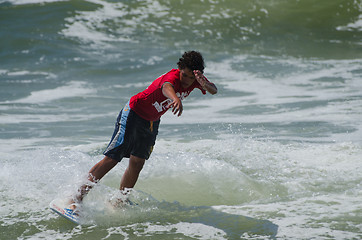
(176, 104)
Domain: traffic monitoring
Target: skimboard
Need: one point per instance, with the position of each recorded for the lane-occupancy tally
(61, 207)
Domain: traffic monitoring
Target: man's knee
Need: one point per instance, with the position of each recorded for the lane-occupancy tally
(136, 162)
(108, 160)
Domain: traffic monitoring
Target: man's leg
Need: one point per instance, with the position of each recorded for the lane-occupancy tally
(95, 174)
(132, 172)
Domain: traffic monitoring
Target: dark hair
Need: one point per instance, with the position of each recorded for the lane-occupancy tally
(192, 60)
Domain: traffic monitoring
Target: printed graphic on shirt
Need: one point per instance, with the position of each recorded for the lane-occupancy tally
(164, 105)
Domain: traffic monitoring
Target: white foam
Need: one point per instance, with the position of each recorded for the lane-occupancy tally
(132, 85)
(308, 217)
(302, 185)
(354, 26)
(275, 89)
(298, 82)
(73, 89)
(46, 118)
(89, 27)
(27, 73)
(192, 230)
(86, 25)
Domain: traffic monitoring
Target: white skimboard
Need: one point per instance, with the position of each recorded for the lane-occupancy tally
(62, 208)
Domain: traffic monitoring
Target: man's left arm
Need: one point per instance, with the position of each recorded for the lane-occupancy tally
(205, 84)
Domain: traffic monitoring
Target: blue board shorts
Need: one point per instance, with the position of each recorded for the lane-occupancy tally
(132, 135)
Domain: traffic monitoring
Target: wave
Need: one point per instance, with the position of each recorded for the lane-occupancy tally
(25, 2)
(73, 89)
(296, 27)
(300, 28)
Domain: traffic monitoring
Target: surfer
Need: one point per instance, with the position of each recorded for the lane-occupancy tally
(137, 123)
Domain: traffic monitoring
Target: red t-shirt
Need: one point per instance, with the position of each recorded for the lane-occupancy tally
(151, 104)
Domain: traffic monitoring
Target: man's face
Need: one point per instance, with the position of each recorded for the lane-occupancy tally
(187, 77)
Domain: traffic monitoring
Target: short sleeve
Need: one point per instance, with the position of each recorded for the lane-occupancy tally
(170, 77)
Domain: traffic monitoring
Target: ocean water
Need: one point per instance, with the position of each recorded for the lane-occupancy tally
(276, 154)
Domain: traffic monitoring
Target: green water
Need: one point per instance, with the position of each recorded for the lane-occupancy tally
(276, 154)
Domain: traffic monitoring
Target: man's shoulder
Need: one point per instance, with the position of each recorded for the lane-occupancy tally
(172, 77)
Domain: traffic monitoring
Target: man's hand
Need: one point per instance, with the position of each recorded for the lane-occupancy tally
(177, 107)
(176, 104)
(200, 78)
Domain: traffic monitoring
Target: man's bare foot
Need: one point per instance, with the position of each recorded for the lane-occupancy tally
(120, 199)
(72, 205)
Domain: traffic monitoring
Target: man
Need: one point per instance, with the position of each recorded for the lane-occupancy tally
(137, 124)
